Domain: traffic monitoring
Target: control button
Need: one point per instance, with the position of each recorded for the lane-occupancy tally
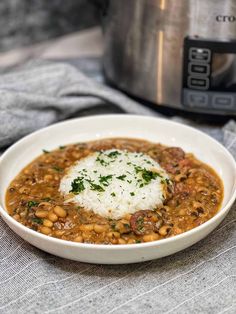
(200, 54)
(197, 99)
(198, 83)
(223, 101)
(199, 69)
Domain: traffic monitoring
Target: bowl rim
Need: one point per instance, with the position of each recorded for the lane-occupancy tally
(220, 214)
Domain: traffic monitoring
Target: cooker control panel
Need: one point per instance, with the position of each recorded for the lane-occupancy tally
(209, 75)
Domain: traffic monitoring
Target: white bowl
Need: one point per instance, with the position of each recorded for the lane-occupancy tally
(84, 129)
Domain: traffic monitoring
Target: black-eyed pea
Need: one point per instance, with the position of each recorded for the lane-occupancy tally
(121, 241)
(48, 161)
(192, 172)
(118, 225)
(114, 241)
(127, 217)
(26, 171)
(177, 230)
(53, 217)
(180, 177)
(86, 235)
(60, 211)
(150, 237)
(164, 230)
(181, 212)
(100, 228)
(76, 155)
(126, 238)
(59, 233)
(113, 234)
(23, 190)
(154, 218)
(40, 213)
(48, 177)
(124, 221)
(167, 208)
(131, 241)
(197, 204)
(86, 227)
(121, 227)
(202, 190)
(24, 213)
(45, 205)
(47, 223)
(16, 217)
(45, 230)
(78, 239)
(199, 180)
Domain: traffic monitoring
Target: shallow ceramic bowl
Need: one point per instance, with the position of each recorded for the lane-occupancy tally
(93, 128)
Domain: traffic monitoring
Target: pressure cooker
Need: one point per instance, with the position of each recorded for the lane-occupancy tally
(177, 53)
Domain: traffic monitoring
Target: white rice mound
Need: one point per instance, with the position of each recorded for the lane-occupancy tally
(120, 196)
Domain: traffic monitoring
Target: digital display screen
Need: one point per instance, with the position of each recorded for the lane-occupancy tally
(223, 72)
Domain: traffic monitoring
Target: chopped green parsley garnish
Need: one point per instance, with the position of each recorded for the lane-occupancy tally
(46, 199)
(113, 194)
(122, 178)
(102, 161)
(62, 147)
(113, 226)
(46, 151)
(32, 204)
(165, 181)
(126, 226)
(113, 154)
(58, 169)
(37, 220)
(81, 146)
(104, 180)
(96, 187)
(77, 185)
(102, 157)
(147, 175)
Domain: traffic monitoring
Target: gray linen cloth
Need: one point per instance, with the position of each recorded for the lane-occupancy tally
(200, 279)
(41, 93)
